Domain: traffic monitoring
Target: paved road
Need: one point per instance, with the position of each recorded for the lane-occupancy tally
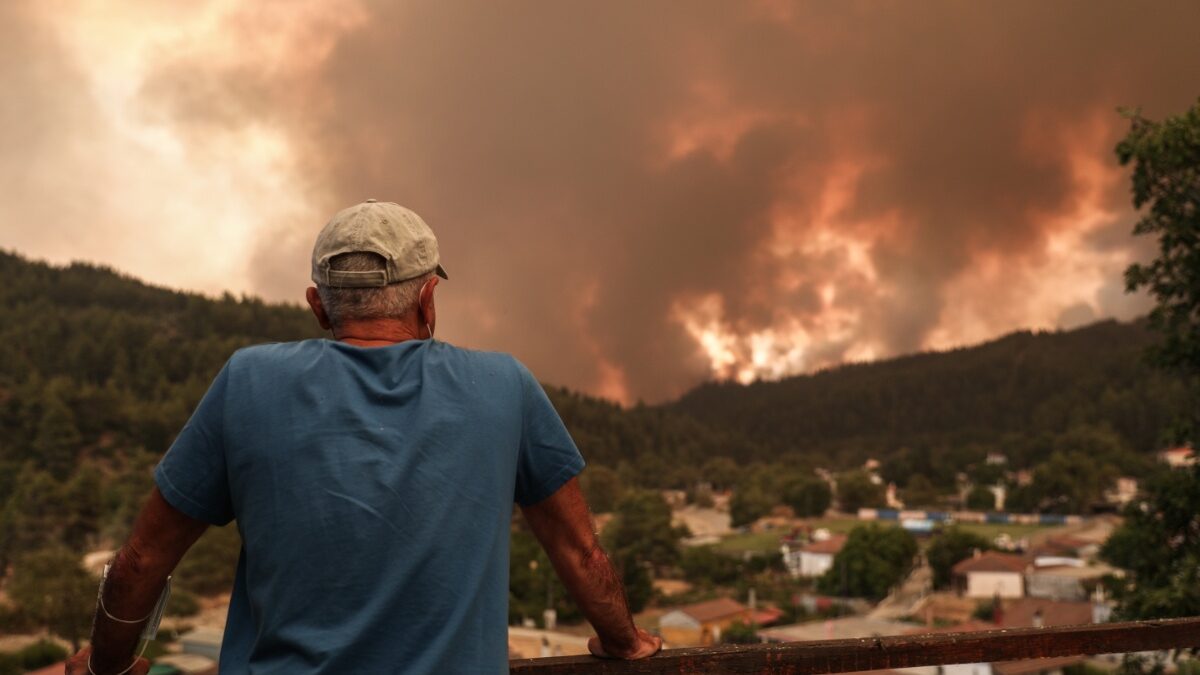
(904, 598)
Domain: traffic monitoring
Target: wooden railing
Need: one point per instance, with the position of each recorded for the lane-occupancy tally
(901, 651)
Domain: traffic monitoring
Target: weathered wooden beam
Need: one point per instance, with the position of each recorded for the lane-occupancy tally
(899, 651)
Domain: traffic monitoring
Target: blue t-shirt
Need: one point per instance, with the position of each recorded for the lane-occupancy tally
(373, 489)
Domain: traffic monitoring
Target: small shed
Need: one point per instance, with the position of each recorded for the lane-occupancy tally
(701, 624)
(1066, 581)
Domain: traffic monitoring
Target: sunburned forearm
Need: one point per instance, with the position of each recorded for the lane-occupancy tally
(161, 535)
(596, 588)
(563, 525)
(130, 593)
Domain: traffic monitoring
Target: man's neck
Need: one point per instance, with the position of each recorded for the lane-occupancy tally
(377, 332)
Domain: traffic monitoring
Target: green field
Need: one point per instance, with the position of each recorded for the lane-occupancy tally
(753, 542)
(768, 542)
(991, 530)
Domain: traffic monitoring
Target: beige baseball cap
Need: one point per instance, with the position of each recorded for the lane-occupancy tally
(394, 232)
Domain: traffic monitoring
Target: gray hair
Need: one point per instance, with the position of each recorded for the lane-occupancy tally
(393, 301)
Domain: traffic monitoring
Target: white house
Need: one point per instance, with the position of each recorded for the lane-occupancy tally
(986, 575)
(1178, 458)
(1065, 578)
(1122, 492)
(813, 559)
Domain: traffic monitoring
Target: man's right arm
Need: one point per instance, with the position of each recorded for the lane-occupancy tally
(563, 525)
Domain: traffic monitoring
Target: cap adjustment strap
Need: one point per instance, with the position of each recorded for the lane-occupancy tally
(354, 279)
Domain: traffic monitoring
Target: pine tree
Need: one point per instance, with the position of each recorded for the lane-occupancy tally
(52, 588)
(57, 441)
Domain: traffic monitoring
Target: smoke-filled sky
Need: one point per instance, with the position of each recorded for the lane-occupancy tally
(632, 197)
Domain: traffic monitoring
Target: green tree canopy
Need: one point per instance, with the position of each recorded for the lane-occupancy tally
(948, 548)
(874, 558)
(981, 498)
(34, 515)
(704, 566)
(57, 441)
(721, 471)
(641, 530)
(919, 492)
(1166, 186)
(808, 495)
(210, 565)
(749, 503)
(51, 587)
(856, 490)
(1159, 545)
(639, 539)
(1070, 482)
(601, 487)
(740, 633)
(532, 582)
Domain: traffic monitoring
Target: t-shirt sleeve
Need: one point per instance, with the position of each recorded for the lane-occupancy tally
(548, 457)
(192, 477)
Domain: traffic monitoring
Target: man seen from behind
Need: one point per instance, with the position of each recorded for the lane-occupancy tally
(372, 478)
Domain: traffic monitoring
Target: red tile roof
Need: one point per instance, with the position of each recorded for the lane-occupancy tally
(831, 545)
(767, 616)
(713, 610)
(992, 561)
(1019, 613)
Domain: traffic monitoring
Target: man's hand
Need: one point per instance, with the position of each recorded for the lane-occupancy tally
(78, 664)
(647, 645)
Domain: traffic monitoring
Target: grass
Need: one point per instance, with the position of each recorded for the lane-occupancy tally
(758, 543)
(752, 542)
(837, 525)
(1016, 531)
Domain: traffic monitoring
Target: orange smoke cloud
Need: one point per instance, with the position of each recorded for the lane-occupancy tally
(631, 198)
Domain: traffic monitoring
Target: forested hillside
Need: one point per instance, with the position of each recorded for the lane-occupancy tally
(98, 372)
(1011, 395)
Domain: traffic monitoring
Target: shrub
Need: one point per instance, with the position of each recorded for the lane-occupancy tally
(740, 633)
(41, 654)
(182, 603)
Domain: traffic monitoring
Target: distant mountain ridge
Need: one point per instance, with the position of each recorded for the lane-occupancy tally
(1023, 383)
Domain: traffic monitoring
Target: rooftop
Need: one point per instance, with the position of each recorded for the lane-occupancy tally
(712, 610)
(1076, 572)
(992, 561)
(1019, 613)
(832, 545)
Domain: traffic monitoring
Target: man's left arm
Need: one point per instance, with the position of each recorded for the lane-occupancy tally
(161, 535)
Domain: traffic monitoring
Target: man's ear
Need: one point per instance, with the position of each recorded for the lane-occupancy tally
(426, 310)
(318, 310)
